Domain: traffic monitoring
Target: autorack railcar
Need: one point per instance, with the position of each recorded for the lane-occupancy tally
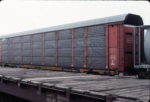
(102, 45)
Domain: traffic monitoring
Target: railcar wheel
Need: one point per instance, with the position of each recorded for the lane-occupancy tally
(147, 73)
(141, 75)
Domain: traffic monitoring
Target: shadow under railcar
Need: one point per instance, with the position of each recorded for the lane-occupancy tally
(9, 98)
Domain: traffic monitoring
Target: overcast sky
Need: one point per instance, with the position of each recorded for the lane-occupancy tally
(17, 16)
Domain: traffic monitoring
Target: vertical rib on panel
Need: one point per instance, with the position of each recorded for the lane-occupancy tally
(56, 39)
(31, 49)
(43, 49)
(72, 48)
(107, 46)
(85, 47)
(21, 41)
(11, 60)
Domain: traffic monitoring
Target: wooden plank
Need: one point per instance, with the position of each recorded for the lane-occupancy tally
(119, 86)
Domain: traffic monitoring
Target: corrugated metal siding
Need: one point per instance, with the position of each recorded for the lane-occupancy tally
(10, 51)
(79, 52)
(96, 47)
(16, 40)
(78, 61)
(78, 42)
(26, 50)
(26, 39)
(17, 53)
(15, 46)
(78, 47)
(26, 53)
(37, 52)
(50, 49)
(50, 44)
(5, 51)
(64, 48)
(64, 43)
(37, 37)
(96, 51)
(30, 48)
(17, 59)
(50, 61)
(65, 34)
(96, 62)
(37, 45)
(64, 52)
(26, 60)
(37, 49)
(37, 60)
(95, 31)
(4, 59)
(26, 45)
(96, 41)
(49, 36)
(64, 61)
(50, 53)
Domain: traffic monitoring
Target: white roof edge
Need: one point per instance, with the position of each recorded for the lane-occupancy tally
(137, 26)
